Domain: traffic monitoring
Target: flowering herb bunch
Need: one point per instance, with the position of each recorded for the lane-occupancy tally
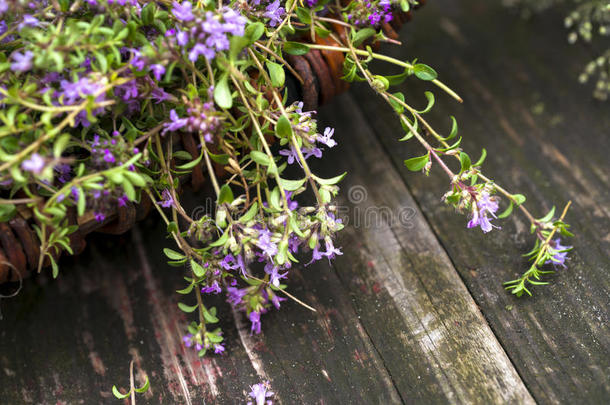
(95, 92)
(586, 19)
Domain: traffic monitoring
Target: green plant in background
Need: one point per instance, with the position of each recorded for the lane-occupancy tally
(586, 19)
(94, 91)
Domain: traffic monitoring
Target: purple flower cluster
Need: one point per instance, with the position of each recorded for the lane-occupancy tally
(205, 35)
(485, 205)
(73, 93)
(306, 129)
(559, 253)
(196, 342)
(260, 393)
(35, 164)
(201, 118)
(370, 12)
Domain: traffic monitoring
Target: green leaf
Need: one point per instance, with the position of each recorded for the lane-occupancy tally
(507, 211)
(332, 181)
(225, 195)
(221, 241)
(291, 185)
(198, 269)
(187, 308)
(482, 158)
(222, 159)
(7, 212)
(249, 215)
(454, 129)
(81, 203)
(172, 254)
(143, 388)
(130, 192)
(395, 104)
(295, 48)
(430, 98)
(210, 318)
(362, 35)
(191, 164)
(276, 72)
(118, 394)
(186, 290)
(222, 93)
(519, 199)
(424, 72)
(135, 178)
(254, 31)
(53, 265)
(464, 162)
(60, 145)
(417, 163)
(260, 158)
(237, 44)
(548, 216)
(303, 15)
(283, 128)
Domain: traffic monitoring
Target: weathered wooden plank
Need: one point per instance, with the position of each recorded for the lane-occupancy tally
(72, 339)
(433, 340)
(546, 138)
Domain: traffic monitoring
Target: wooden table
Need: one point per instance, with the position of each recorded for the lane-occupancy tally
(414, 311)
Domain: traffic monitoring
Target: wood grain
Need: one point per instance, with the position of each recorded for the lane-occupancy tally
(546, 138)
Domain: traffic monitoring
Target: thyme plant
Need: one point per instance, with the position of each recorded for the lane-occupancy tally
(93, 92)
(586, 19)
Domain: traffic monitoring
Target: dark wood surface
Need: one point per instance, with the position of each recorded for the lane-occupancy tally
(414, 311)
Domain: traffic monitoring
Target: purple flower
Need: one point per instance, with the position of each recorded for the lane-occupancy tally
(214, 288)
(129, 90)
(75, 193)
(485, 205)
(188, 340)
(137, 61)
(227, 262)
(219, 348)
(264, 243)
(274, 12)
(291, 155)
(236, 295)
(159, 95)
(108, 156)
(34, 164)
(176, 122)
(166, 199)
(201, 49)
(28, 21)
(292, 205)
(275, 300)
(157, 70)
(560, 253)
(326, 138)
(183, 11)
(274, 274)
(64, 171)
(260, 393)
(308, 152)
(234, 23)
(331, 250)
(122, 200)
(22, 61)
(255, 318)
(316, 255)
(182, 38)
(99, 216)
